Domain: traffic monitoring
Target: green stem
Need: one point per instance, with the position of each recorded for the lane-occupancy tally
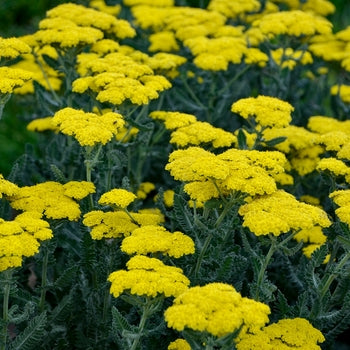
(145, 314)
(229, 83)
(192, 94)
(5, 307)
(263, 268)
(333, 275)
(202, 253)
(44, 279)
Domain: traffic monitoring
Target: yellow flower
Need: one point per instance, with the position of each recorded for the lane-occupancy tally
(216, 308)
(144, 189)
(155, 3)
(7, 188)
(322, 124)
(153, 239)
(101, 6)
(343, 91)
(288, 58)
(255, 56)
(173, 120)
(267, 111)
(42, 124)
(199, 132)
(20, 238)
(294, 23)
(88, 128)
(233, 9)
(148, 277)
(52, 199)
(117, 197)
(279, 213)
(179, 344)
(297, 333)
(335, 166)
(163, 41)
(13, 47)
(11, 78)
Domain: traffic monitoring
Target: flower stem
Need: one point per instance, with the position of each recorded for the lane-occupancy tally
(202, 253)
(44, 280)
(5, 308)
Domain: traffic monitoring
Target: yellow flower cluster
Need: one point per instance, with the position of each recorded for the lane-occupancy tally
(342, 199)
(117, 77)
(20, 238)
(281, 212)
(148, 277)
(154, 239)
(296, 333)
(52, 199)
(144, 189)
(267, 111)
(216, 308)
(288, 58)
(100, 5)
(293, 23)
(12, 78)
(12, 47)
(7, 188)
(179, 344)
(116, 224)
(42, 73)
(118, 197)
(43, 124)
(187, 131)
(334, 166)
(88, 128)
(234, 9)
(250, 172)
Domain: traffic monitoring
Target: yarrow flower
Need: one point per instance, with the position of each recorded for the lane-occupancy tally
(267, 111)
(13, 47)
(118, 224)
(179, 344)
(154, 239)
(279, 213)
(148, 277)
(117, 197)
(216, 308)
(342, 199)
(88, 128)
(12, 78)
(7, 188)
(52, 199)
(21, 238)
(296, 333)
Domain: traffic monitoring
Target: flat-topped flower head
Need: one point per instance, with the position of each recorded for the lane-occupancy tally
(266, 110)
(21, 238)
(13, 47)
(334, 166)
(280, 212)
(179, 344)
(12, 78)
(234, 9)
(42, 124)
(294, 23)
(342, 199)
(89, 17)
(7, 188)
(88, 128)
(148, 277)
(296, 333)
(216, 308)
(117, 197)
(52, 199)
(156, 239)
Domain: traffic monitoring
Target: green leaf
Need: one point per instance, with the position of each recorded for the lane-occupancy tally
(32, 336)
(182, 214)
(120, 323)
(50, 62)
(275, 141)
(242, 139)
(67, 278)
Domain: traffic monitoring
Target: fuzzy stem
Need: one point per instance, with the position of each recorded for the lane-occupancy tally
(5, 308)
(44, 280)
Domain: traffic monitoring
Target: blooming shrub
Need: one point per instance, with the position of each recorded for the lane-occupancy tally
(189, 187)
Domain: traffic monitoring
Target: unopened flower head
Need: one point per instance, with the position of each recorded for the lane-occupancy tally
(216, 308)
(148, 277)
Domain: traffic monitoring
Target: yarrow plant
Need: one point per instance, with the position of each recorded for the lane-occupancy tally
(188, 184)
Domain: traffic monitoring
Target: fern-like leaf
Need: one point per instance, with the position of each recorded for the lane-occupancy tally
(32, 336)
(182, 215)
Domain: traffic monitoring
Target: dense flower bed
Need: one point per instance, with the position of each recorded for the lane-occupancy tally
(190, 184)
